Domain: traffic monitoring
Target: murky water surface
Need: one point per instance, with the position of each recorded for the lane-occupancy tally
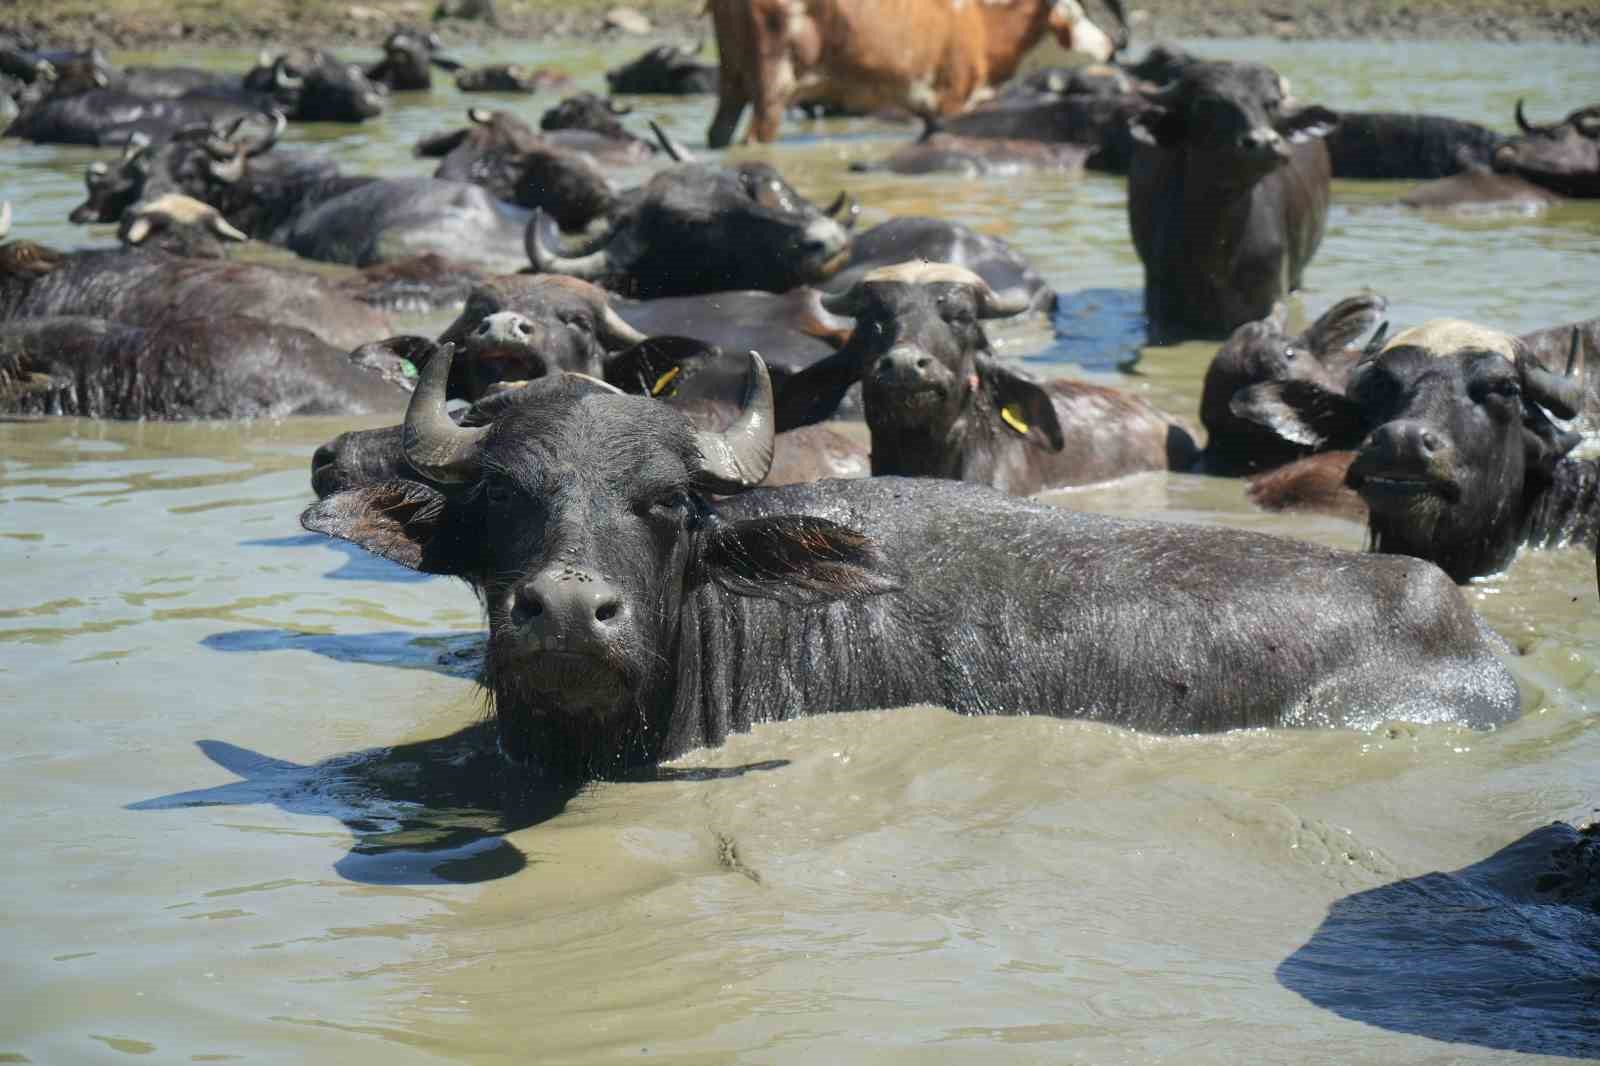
(249, 820)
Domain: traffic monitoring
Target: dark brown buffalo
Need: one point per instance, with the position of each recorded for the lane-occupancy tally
(1227, 198)
(633, 617)
(1264, 351)
(1563, 157)
(220, 366)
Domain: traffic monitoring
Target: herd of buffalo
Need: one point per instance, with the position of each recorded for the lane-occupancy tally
(675, 537)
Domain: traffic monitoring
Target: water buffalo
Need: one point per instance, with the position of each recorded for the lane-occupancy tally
(219, 366)
(631, 619)
(1456, 459)
(409, 56)
(1227, 198)
(927, 57)
(939, 404)
(974, 157)
(1563, 157)
(151, 288)
(1384, 145)
(700, 228)
(1263, 351)
(590, 123)
(390, 219)
(510, 78)
(113, 117)
(935, 240)
(504, 155)
(665, 70)
(180, 225)
(313, 86)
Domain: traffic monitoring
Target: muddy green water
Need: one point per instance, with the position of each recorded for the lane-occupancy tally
(246, 824)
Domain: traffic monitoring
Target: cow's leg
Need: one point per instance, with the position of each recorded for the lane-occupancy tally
(731, 99)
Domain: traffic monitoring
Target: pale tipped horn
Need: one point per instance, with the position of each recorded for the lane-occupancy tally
(1563, 393)
(480, 116)
(5, 218)
(541, 227)
(225, 229)
(615, 332)
(138, 230)
(741, 456)
(280, 122)
(138, 141)
(435, 446)
(284, 80)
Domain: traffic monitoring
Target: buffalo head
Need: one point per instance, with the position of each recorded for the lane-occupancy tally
(1234, 117)
(1563, 157)
(313, 86)
(581, 516)
(178, 224)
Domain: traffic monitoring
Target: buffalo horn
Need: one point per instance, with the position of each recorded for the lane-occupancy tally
(992, 305)
(98, 170)
(740, 456)
(228, 171)
(5, 218)
(1375, 344)
(284, 80)
(847, 303)
(589, 267)
(618, 109)
(436, 447)
(137, 143)
(1522, 120)
(1563, 393)
(675, 151)
(481, 116)
(279, 123)
(225, 229)
(614, 331)
(138, 230)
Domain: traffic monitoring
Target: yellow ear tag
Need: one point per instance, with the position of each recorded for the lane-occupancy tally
(1013, 418)
(663, 381)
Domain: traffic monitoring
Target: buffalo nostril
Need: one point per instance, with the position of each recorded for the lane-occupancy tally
(524, 328)
(606, 611)
(923, 363)
(1430, 441)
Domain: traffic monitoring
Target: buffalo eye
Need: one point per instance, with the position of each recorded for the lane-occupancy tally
(1288, 355)
(1497, 388)
(673, 504)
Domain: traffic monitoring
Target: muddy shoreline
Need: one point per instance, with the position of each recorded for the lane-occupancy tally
(275, 24)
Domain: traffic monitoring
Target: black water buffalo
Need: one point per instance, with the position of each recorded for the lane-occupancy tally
(510, 78)
(1563, 157)
(1385, 145)
(667, 70)
(591, 123)
(179, 225)
(939, 404)
(409, 56)
(632, 620)
(390, 219)
(1263, 351)
(1227, 198)
(219, 366)
(151, 288)
(504, 155)
(1456, 459)
(975, 157)
(700, 228)
(113, 117)
(935, 240)
(312, 86)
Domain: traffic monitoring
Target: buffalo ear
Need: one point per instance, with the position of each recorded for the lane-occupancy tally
(1022, 405)
(1301, 412)
(1342, 323)
(405, 522)
(1308, 123)
(1159, 127)
(660, 366)
(795, 558)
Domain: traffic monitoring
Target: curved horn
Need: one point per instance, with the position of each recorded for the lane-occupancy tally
(480, 116)
(284, 80)
(615, 332)
(847, 303)
(138, 230)
(1375, 344)
(992, 305)
(96, 170)
(228, 171)
(838, 205)
(540, 231)
(675, 151)
(138, 141)
(280, 122)
(5, 218)
(439, 449)
(224, 229)
(617, 109)
(740, 457)
(1522, 120)
(1563, 393)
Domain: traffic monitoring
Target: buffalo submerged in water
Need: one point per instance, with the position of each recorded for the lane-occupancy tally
(631, 619)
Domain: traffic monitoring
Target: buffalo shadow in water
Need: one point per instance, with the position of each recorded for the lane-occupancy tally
(1099, 329)
(359, 564)
(1504, 954)
(424, 813)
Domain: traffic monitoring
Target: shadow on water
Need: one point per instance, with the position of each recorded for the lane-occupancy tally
(1504, 954)
(428, 812)
(358, 565)
(455, 654)
(1099, 329)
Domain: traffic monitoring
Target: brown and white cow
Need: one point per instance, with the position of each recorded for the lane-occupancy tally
(931, 57)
